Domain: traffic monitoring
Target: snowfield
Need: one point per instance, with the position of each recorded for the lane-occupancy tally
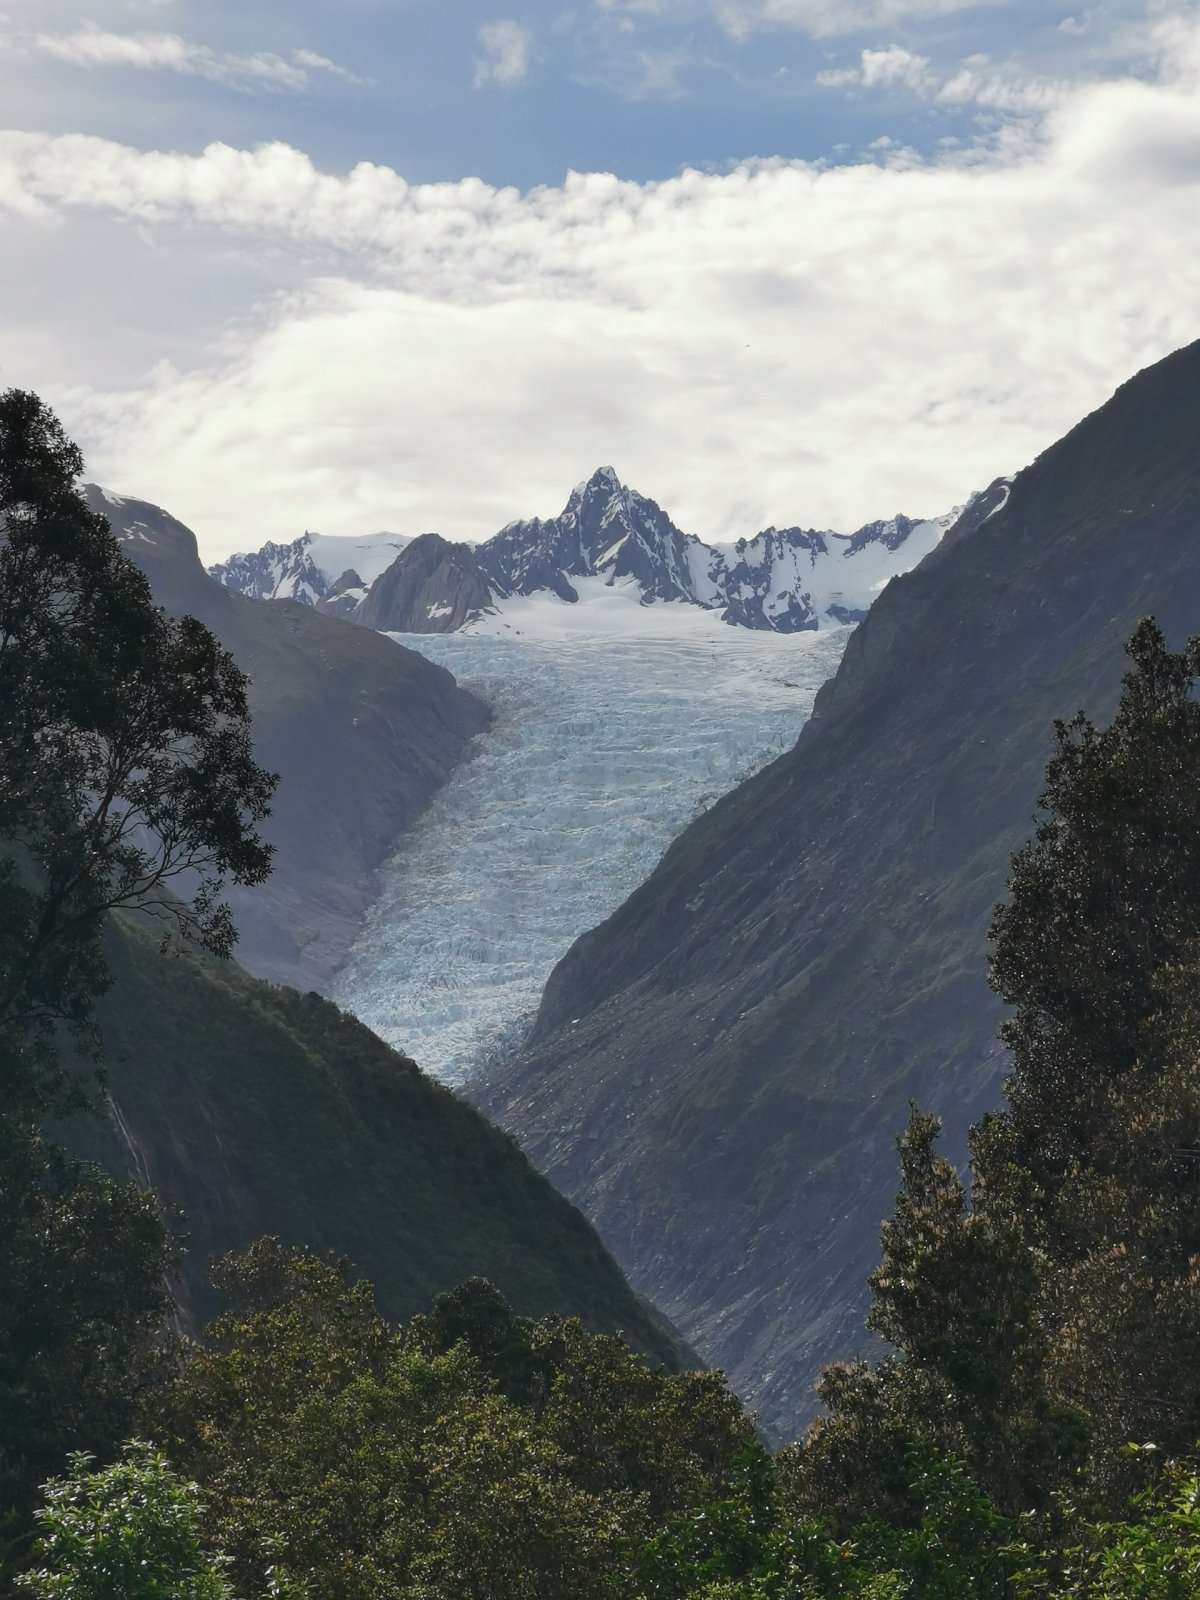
(615, 723)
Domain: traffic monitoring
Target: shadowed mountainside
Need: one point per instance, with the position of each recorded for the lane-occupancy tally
(361, 731)
(256, 1109)
(717, 1071)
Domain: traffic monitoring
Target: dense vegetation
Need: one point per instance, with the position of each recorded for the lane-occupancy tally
(1032, 1434)
(126, 771)
(260, 1110)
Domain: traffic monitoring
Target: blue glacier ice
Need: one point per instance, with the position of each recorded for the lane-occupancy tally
(604, 746)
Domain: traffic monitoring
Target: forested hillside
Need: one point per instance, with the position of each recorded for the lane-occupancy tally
(253, 1109)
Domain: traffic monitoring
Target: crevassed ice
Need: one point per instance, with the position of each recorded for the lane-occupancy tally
(603, 749)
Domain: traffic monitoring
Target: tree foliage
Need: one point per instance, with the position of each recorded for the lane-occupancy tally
(130, 1531)
(84, 1262)
(472, 1453)
(1102, 900)
(1047, 1312)
(126, 767)
(126, 779)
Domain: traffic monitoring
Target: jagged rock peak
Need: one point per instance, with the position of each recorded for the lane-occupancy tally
(602, 478)
(433, 586)
(275, 572)
(606, 529)
(783, 579)
(307, 569)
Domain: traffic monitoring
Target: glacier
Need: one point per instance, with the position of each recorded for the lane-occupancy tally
(615, 724)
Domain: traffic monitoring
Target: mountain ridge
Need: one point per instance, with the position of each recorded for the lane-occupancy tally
(810, 954)
(307, 568)
(783, 580)
(254, 1109)
(362, 732)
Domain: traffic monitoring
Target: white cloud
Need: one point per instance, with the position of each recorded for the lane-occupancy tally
(821, 18)
(313, 62)
(785, 342)
(506, 54)
(90, 46)
(975, 81)
(824, 18)
(883, 69)
(649, 74)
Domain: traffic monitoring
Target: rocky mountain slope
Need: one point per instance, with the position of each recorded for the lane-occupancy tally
(432, 587)
(717, 1071)
(259, 1110)
(361, 732)
(308, 568)
(784, 579)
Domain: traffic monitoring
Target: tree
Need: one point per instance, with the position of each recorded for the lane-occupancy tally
(1102, 899)
(470, 1454)
(130, 1531)
(84, 1262)
(1154, 1555)
(126, 767)
(126, 780)
(1047, 1312)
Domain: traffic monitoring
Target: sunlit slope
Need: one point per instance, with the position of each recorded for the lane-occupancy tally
(718, 1069)
(256, 1109)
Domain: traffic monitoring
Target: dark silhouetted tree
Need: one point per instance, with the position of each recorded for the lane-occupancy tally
(1047, 1312)
(127, 779)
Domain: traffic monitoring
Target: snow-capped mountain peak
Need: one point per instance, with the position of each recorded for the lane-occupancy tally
(606, 529)
(308, 568)
(784, 580)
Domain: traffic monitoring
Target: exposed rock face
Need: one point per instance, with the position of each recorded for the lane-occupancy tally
(361, 731)
(891, 534)
(717, 1071)
(431, 587)
(770, 579)
(784, 580)
(343, 597)
(276, 572)
(307, 569)
(604, 528)
(795, 579)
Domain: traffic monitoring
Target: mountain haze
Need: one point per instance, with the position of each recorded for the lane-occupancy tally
(717, 1071)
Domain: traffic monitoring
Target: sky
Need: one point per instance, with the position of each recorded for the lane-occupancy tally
(416, 264)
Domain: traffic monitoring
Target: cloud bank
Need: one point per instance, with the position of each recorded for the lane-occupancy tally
(785, 342)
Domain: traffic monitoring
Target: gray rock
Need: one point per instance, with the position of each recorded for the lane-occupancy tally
(717, 1071)
(433, 586)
